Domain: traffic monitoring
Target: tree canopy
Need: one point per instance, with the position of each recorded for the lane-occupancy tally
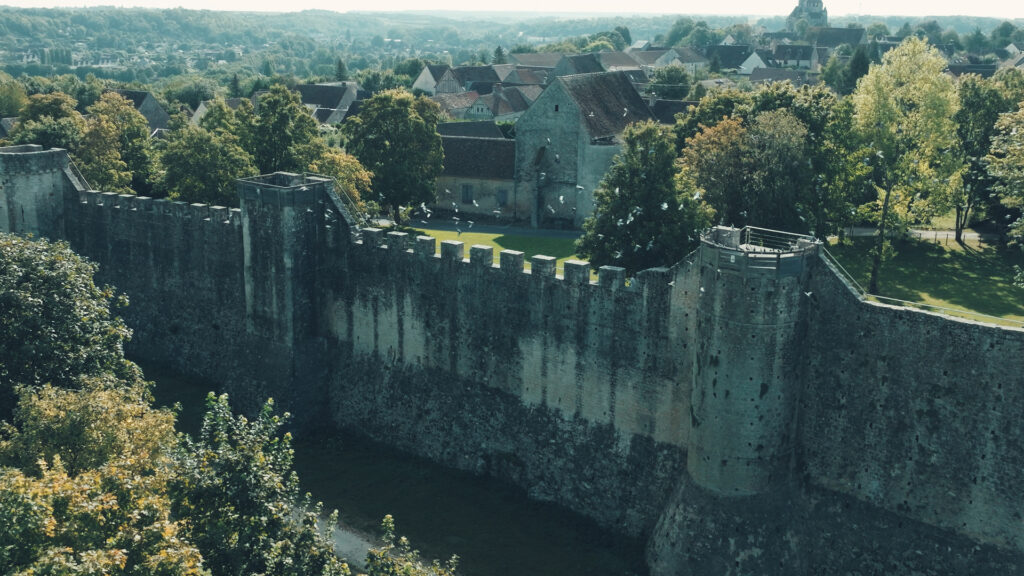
(648, 211)
(904, 111)
(284, 135)
(51, 121)
(95, 476)
(57, 325)
(395, 137)
(1005, 162)
(202, 166)
(670, 83)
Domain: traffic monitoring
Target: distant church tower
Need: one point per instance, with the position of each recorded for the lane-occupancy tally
(811, 11)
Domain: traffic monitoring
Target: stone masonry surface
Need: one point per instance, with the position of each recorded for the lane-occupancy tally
(742, 409)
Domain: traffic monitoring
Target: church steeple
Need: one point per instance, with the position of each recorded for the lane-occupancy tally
(813, 12)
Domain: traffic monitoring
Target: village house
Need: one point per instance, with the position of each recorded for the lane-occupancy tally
(536, 59)
(147, 105)
(478, 180)
(566, 141)
(722, 57)
(596, 62)
(428, 78)
(503, 104)
(690, 60)
(799, 56)
(832, 38)
(456, 105)
(651, 60)
(757, 59)
(329, 102)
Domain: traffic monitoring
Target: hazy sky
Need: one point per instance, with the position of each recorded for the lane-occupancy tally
(992, 8)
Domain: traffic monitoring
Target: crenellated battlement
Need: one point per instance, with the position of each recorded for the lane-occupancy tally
(610, 279)
(170, 209)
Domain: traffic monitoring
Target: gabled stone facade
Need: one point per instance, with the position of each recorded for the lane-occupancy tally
(566, 141)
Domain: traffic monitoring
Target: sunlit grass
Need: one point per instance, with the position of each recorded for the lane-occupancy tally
(976, 277)
(561, 248)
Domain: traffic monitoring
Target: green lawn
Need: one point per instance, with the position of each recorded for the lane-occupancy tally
(561, 248)
(977, 277)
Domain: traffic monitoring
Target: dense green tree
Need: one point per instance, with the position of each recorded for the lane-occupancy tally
(499, 56)
(245, 125)
(842, 75)
(877, 29)
(235, 485)
(410, 67)
(715, 157)
(712, 108)
(202, 166)
(1010, 82)
(219, 118)
(860, 63)
(904, 110)
(670, 83)
(51, 121)
(352, 182)
(94, 477)
(12, 96)
(1002, 34)
(191, 91)
(284, 135)
(624, 33)
(104, 421)
(976, 42)
(99, 158)
(1005, 163)
(981, 103)
(91, 494)
(833, 73)
(647, 210)
(375, 81)
(779, 172)
(757, 173)
(340, 70)
(611, 37)
(838, 159)
(235, 87)
(396, 125)
(130, 137)
(56, 324)
(702, 36)
(679, 31)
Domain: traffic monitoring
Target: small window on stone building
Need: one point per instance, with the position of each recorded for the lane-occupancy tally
(467, 193)
(502, 197)
(556, 107)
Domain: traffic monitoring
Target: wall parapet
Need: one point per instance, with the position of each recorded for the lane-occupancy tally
(574, 272)
(161, 207)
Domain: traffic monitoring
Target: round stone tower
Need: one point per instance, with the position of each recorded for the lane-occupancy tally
(745, 388)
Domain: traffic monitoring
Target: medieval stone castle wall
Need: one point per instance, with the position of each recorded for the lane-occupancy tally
(744, 409)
